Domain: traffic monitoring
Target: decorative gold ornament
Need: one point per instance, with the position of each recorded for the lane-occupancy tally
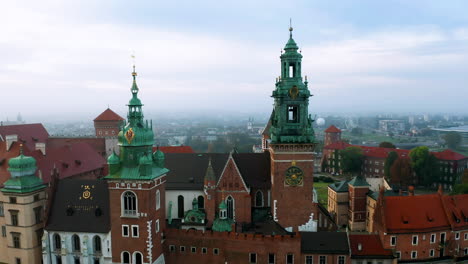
(129, 135)
(293, 92)
(86, 192)
(294, 176)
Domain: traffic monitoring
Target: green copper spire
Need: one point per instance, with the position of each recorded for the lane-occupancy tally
(290, 120)
(23, 178)
(222, 223)
(136, 139)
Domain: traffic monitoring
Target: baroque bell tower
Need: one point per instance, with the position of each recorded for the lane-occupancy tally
(292, 142)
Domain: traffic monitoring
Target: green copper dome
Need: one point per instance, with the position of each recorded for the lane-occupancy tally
(113, 159)
(291, 44)
(22, 165)
(158, 154)
(23, 180)
(145, 160)
(222, 205)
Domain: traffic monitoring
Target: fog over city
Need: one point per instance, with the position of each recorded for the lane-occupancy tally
(65, 61)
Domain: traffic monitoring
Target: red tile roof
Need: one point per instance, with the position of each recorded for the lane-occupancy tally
(99, 144)
(71, 160)
(456, 209)
(175, 149)
(108, 115)
(332, 129)
(371, 246)
(422, 213)
(338, 145)
(449, 155)
(29, 134)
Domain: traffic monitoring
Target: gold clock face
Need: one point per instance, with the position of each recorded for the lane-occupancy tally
(293, 92)
(129, 135)
(294, 176)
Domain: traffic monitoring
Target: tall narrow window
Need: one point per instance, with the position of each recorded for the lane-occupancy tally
(289, 258)
(271, 258)
(76, 243)
(180, 206)
(97, 244)
(292, 114)
(1, 209)
(158, 199)
(201, 202)
(138, 258)
(230, 207)
(57, 242)
(129, 201)
(253, 258)
(309, 260)
(16, 240)
(125, 258)
(259, 199)
(14, 217)
(291, 71)
(38, 214)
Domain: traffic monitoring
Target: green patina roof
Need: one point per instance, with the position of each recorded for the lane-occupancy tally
(158, 154)
(222, 205)
(358, 181)
(113, 159)
(145, 160)
(341, 186)
(222, 225)
(23, 184)
(291, 44)
(133, 173)
(21, 163)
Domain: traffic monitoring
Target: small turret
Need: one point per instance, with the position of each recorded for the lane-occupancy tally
(222, 223)
(210, 179)
(114, 163)
(158, 157)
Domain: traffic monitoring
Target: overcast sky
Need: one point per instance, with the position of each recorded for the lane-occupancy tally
(61, 58)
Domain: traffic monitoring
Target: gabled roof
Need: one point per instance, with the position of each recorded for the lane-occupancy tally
(358, 181)
(324, 242)
(108, 115)
(174, 149)
(421, 213)
(29, 134)
(332, 129)
(187, 170)
(449, 155)
(80, 206)
(341, 186)
(368, 246)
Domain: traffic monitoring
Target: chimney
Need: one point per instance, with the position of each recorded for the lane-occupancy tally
(41, 147)
(9, 141)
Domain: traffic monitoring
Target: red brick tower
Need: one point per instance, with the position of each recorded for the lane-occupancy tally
(136, 183)
(292, 142)
(107, 126)
(358, 189)
(332, 135)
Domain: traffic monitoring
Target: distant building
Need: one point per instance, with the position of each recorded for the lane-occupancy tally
(395, 126)
(107, 126)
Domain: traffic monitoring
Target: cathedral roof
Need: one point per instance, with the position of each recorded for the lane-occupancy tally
(80, 206)
(254, 168)
(108, 115)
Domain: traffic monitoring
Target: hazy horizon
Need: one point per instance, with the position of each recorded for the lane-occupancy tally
(63, 60)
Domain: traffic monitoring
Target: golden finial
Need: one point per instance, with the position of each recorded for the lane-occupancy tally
(21, 149)
(133, 60)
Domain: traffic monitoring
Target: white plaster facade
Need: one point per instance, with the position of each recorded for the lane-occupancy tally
(67, 254)
(172, 196)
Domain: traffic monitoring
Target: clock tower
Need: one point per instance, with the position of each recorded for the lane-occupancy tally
(291, 143)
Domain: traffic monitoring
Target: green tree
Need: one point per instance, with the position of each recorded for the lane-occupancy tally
(460, 189)
(351, 160)
(452, 139)
(387, 144)
(392, 156)
(425, 165)
(401, 173)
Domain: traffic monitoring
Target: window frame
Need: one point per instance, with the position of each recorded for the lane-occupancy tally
(252, 256)
(126, 200)
(137, 231)
(320, 259)
(413, 240)
(414, 254)
(393, 240)
(125, 227)
(433, 238)
(16, 239)
(292, 258)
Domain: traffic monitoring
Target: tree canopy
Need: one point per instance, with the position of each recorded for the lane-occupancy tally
(351, 160)
(452, 139)
(387, 144)
(392, 156)
(425, 165)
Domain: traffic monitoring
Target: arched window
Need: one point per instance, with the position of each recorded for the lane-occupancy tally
(201, 202)
(259, 199)
(129, 203)
(57, 242)
(180, 206)
(125, 257)
(230, 207)
(137, 258)
(158, 199)
(76, 243)
(97, 244)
